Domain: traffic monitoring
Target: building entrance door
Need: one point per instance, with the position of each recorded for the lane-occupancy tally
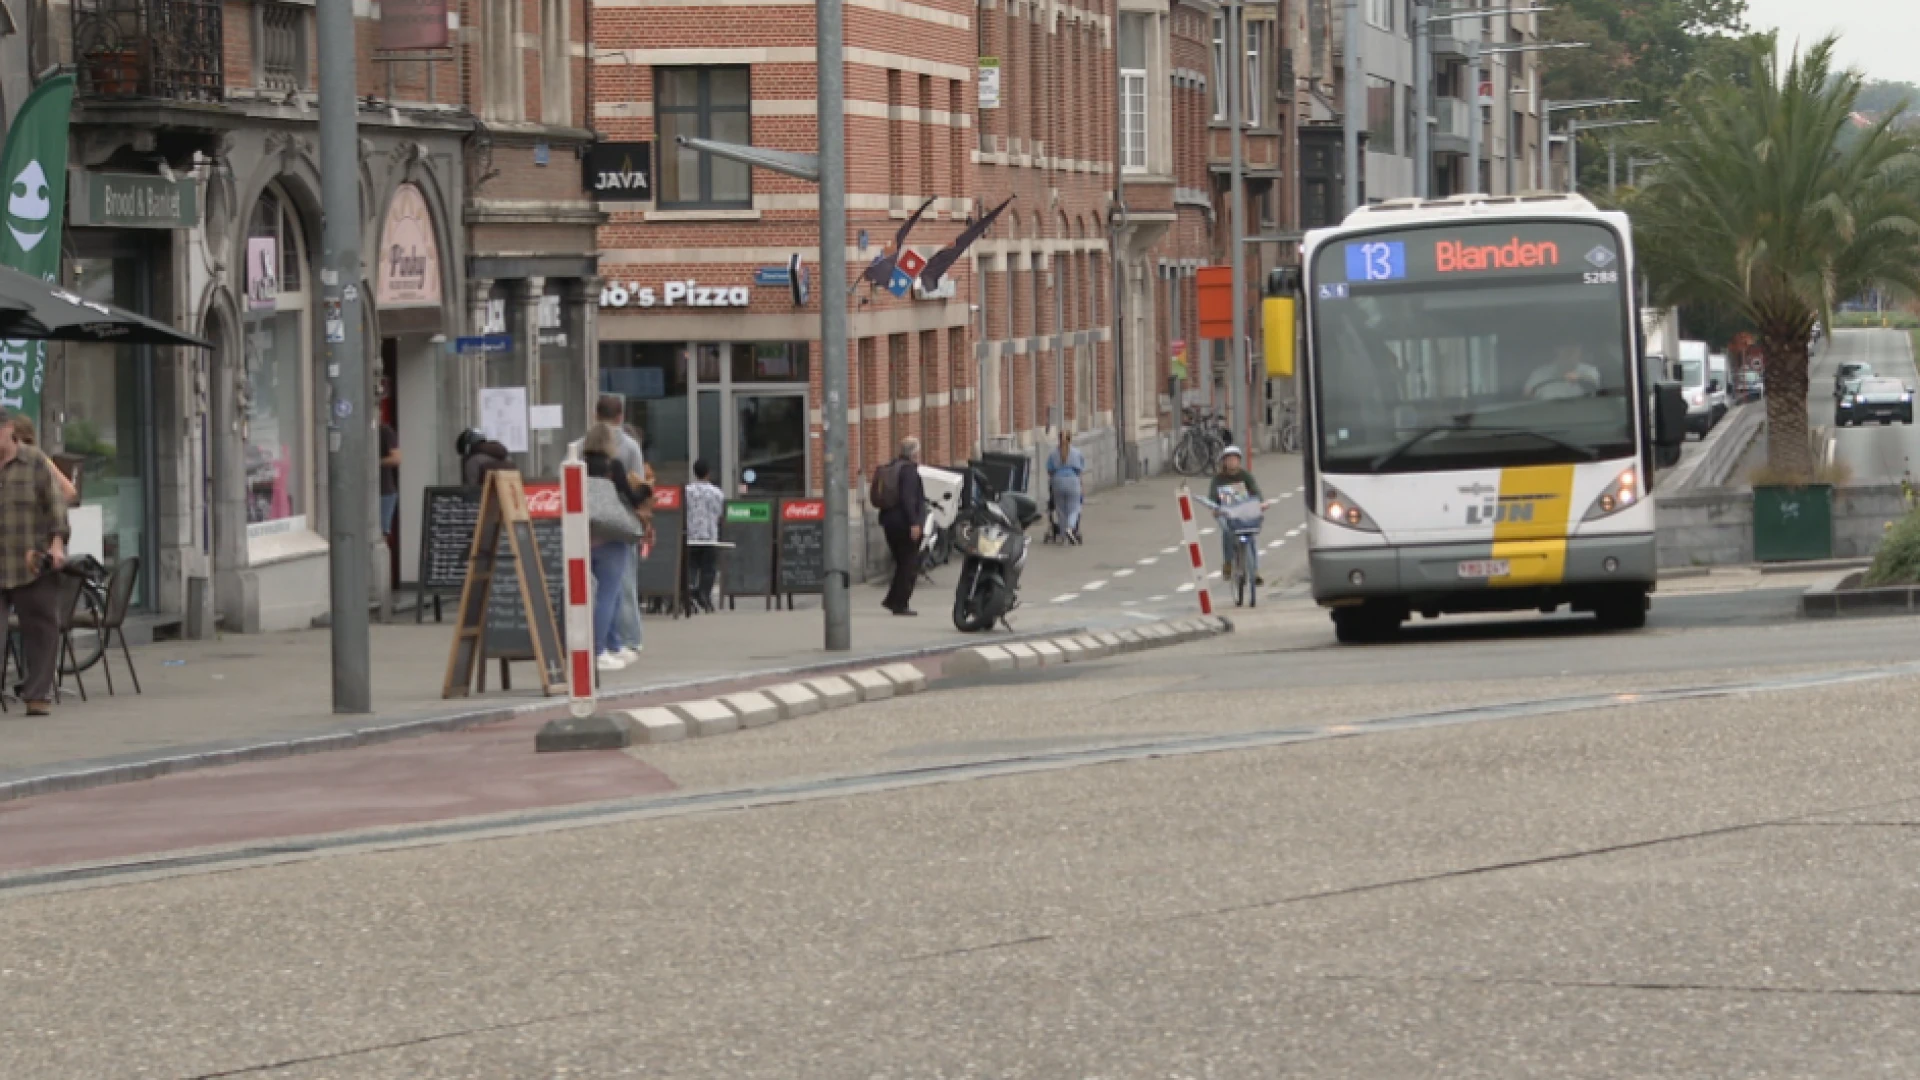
(769, 442)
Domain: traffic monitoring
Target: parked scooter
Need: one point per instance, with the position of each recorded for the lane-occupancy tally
(943, 487)
(990, 534)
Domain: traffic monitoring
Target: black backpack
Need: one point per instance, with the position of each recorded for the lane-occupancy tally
(884, 491)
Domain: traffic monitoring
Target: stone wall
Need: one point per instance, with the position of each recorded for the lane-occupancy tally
(1715, 527)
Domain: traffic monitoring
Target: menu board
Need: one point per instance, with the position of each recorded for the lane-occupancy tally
(448, 515)
(803, 546)
(506, 617)
(746, 568)
(659, 571)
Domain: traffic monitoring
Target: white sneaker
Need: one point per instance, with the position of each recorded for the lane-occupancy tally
(610, 662)
(629, 653)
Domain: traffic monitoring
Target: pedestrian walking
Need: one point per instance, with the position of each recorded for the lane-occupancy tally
(902, 500)
(612, 562)
(389, 477)
(705, 502)
(1064, 467)
(33, 548)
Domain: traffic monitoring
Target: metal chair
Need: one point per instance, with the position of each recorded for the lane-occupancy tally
(66, 605)
(112, 622)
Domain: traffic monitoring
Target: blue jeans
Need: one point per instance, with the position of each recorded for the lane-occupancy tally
(611, 563)
(388, 504)
(626, 621)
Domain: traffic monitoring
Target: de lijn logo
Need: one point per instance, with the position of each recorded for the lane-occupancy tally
(29, 206)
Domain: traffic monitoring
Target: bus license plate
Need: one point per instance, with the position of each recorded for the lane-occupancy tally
(1485, 568)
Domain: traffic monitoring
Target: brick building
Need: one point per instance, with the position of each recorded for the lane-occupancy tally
(211, 467)
(701, 327)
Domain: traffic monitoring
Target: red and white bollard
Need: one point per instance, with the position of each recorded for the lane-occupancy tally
(574, 545)
(1191, 528)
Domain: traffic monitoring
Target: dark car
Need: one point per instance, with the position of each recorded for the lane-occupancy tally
(1850, 372)
(1884, 400)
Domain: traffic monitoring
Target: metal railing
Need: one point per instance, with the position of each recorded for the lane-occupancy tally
(283, 46)
(165, 49)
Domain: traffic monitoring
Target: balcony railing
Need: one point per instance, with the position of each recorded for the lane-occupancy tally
(1450, 117)
(165, 49)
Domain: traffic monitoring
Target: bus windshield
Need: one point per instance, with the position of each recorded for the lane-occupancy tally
(1472, 346)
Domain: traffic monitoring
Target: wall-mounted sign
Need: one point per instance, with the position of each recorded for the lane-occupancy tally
(989, 82)
(483, 343)
(132, 201)
(411, 25)
(263, 273)
(619, 171)
(409, 272)
(674, 294)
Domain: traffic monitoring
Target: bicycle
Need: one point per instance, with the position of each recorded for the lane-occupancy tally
(1289, 433)
(1197, 453)
(1242, 520)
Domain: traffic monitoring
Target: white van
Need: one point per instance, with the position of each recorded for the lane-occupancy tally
(1690, 371)
(1719, 380)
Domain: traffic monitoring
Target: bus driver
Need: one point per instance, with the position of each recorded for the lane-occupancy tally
(1567, 375)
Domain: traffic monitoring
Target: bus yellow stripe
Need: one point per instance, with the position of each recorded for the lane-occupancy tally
(1531, 532)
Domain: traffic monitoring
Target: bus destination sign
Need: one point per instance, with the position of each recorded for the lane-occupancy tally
(1494, 250)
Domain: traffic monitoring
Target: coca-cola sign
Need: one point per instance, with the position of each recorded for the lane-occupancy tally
(666, 497)
(804, 510)
(543, 500)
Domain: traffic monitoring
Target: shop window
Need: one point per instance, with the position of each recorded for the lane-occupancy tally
(652, 379)
(105, 409)
(704, 103)
(278, 364)
(770, 362)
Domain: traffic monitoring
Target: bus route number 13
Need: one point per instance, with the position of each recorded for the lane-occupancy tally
(1378, 260)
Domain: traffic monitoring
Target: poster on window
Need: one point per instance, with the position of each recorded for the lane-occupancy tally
(989, 82)
(503, 416)
(263, 273)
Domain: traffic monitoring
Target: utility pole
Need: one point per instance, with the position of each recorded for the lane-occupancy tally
(830, 92)
(1423, 111)
(344, 352)
(1236, 94)
(1356, 108)
(1474, 121)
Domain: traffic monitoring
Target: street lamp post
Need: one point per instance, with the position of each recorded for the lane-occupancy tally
(1236, 215)
(1574, 128)
(1546, 134)
(1423, 20)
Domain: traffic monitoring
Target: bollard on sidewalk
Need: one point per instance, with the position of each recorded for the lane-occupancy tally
(1191, 529)
(584, 729)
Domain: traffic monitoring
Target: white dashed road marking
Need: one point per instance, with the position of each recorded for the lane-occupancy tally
(1168, 551)
(1156, 599)
(1123, 573)
(1188, 587)
(1093, 585)
(1151, 559)
(1064, 597)
(1206, 532)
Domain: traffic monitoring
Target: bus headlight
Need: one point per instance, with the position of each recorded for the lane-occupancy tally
(1622, 493)
(1342, 511)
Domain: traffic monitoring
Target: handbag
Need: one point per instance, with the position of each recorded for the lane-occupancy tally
(608, 519)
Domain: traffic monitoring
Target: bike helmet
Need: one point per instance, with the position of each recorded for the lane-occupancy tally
(1231, 451)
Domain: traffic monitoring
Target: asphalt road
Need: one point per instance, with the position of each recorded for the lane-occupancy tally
(1872, 454)
(1510, 848)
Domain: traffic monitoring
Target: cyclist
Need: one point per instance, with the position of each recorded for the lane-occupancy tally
(1232, 484)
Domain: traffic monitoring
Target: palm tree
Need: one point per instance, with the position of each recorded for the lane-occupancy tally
(1772, 206)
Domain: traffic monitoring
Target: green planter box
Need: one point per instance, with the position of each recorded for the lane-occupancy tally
(1792, 523)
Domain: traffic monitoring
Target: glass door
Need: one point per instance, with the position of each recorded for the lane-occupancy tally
(769, 442)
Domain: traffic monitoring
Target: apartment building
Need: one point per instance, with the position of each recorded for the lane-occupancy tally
(194, 197)
(708, 325)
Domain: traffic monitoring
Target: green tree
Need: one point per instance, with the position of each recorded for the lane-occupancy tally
(1763, 210)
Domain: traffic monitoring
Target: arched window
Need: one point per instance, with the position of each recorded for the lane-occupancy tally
(275, 428)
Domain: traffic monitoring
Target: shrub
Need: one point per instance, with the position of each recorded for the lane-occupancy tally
(1898, 560)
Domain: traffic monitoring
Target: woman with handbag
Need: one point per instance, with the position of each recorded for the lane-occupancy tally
(614, 526)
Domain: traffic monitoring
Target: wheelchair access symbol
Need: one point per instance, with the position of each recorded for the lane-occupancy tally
(1333, 291)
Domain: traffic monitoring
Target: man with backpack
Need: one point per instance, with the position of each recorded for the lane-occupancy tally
(902, 501)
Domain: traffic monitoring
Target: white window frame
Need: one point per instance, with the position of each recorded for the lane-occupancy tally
(1254, 73)
(1133, 120)
(290, 537)
(1219, 68)
(1380, 13)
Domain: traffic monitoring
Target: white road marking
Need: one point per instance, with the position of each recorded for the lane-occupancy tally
(1123, 573)
(1215, 574)
(1064, 597)
(1151, 559)
(1129, 603)
(1286, 494)
(1141, 615)
(1168, 551)
(1188, 587)
(1296, 530)
(1093, 585)
(1206, 532)
(1275, 544)
(1156, 599)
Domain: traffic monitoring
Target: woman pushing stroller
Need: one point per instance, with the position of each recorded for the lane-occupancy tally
(1064, 467)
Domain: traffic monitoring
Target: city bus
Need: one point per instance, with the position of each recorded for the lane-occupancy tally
(1481, 433)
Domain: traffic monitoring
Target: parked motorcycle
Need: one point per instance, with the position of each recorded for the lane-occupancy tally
(990, 535)
(943, 487)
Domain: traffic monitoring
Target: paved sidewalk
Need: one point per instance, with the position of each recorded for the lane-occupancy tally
(235, 694)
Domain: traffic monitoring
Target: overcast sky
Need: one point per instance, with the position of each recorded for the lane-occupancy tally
(1880, 37)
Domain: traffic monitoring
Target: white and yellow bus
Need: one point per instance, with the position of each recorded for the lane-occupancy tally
(1480, 431)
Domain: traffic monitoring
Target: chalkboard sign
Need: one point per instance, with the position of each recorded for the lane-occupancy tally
(504, 513)
(447, 516)
(659, 573)
(506, 619)
(803, 546)
(746, 568)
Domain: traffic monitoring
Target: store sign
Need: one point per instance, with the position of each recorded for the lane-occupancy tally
(263, 273)
(412, 25)
(409, 272)
(133, 201)
(989, 82)
(675, 294)
(619, 171)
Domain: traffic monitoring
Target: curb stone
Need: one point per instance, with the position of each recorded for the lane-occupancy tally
(871, 685)
(1071, 651)
(706, 717)
(907, 678)
(979, 660)
(793, 700)
(655, 724)
(754, 708)
(1023, 655)
(1048, 652)
(834, 691)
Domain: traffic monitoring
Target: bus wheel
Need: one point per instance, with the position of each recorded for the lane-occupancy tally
(1366, 624)
(1626, 610)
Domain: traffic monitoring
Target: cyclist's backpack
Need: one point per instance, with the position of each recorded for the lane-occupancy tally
(884, 491)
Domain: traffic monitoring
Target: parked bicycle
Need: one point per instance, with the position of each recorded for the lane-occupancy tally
(1289, 427)
(1197, 453)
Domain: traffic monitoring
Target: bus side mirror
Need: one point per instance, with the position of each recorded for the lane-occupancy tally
(1669, 415)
